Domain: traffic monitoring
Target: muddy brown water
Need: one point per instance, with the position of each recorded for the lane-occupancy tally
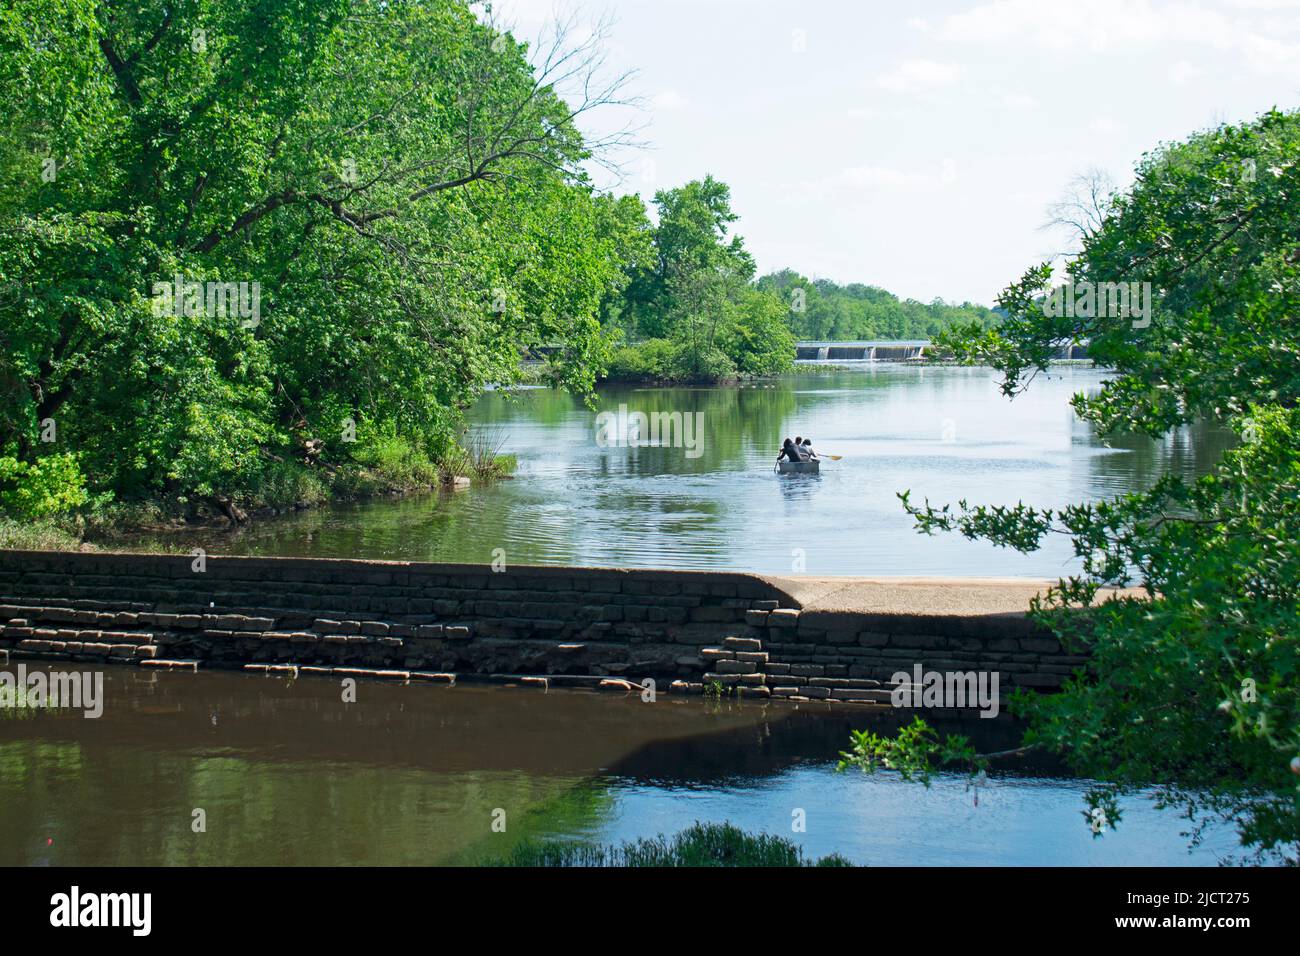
(286, 772)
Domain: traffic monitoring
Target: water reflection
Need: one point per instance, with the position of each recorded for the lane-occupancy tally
(289, 774)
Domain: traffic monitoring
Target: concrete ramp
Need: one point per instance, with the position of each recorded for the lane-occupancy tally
(967, 597)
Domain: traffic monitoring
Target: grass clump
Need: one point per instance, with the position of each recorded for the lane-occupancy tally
(702, 844)
(39, 535)
(479, 458)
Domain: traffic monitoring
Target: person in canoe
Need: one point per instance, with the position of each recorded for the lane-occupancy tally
(789, 452)
(807, 450)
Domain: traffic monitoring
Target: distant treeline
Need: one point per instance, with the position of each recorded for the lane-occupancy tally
(690, 308)
(823, 310)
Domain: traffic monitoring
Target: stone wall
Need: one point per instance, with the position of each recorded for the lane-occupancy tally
(690, 631)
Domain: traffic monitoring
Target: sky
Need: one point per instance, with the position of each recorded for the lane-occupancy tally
(917, 146)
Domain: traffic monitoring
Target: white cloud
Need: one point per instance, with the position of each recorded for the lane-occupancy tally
(917, 75)
(919, 23)
(1182, 71)
(1020, 101)
(1266, 4)
(1077, 24)
(858, 181)
(869, 177)
(668, 100)
(1270, 46)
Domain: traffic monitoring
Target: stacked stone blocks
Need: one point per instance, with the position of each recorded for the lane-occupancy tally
(688, 631)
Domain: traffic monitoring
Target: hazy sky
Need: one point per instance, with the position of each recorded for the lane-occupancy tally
(916, 146)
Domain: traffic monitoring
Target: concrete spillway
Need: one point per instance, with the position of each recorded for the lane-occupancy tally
(896, 351)
(860, 351)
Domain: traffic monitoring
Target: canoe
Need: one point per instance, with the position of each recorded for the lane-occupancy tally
(799, 467)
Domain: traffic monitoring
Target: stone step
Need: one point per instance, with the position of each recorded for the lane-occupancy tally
(86, 648)
(839, 694)
(861, 683)
(783, 617)
(734, 667)
(172, 664)
(239, 620)
(372, 673)
(807, 670)
(814, 693)
(433, 677)
(850, 693)
(728, 679)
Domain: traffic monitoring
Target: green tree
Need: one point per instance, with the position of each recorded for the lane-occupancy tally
(1193, 685)
(693, 304)
(402, 181)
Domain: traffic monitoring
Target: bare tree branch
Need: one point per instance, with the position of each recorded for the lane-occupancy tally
(1082, 209)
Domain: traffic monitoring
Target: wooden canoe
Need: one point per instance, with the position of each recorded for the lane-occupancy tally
(799, 467)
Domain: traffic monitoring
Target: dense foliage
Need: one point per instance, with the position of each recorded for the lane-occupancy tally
(398, 186)
(690, 309)
(261, 253)
(1194, 684)
(821, 310)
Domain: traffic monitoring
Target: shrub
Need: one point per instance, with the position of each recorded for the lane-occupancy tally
(52, 485)
(648, 361)
(392, 459)
(286, 483)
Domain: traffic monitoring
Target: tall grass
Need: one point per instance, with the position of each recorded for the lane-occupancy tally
(480, 458)
(45, 534)
(703, 844)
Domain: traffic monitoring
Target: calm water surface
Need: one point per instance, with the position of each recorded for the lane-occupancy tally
(944, 433)
(288, 774)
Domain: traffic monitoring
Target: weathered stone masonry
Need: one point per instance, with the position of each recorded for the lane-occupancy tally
(690, 631)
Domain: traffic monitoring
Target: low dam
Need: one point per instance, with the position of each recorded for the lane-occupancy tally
(835, 639)
(873, 351)
(895, 351)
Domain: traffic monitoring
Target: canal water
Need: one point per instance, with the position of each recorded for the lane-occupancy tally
(285, 772)
(592, 496)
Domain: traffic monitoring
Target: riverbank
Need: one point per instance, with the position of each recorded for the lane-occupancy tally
(288, 488)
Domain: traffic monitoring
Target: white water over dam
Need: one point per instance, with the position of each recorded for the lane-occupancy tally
(886, 350)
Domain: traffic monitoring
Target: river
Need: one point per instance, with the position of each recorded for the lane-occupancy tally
(582, 498)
